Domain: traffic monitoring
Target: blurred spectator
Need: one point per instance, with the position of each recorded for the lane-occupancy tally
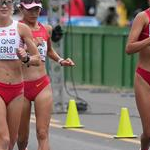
(106, 12)
(90, 7)
(75, 8)
(122, 14)
(80, 13)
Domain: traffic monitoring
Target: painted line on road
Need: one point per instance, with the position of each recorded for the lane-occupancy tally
(105, 135)
(52, 120)
(98, 134)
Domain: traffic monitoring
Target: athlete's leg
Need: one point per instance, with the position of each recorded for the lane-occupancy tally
(43, 108)
(24, 127)
(14, 110)
(142, 94)
(4, 132)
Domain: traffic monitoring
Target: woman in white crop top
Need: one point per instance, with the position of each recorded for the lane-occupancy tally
(12, 56)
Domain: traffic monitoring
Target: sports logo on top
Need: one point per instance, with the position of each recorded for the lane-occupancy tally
(3, 33)
(12, 32)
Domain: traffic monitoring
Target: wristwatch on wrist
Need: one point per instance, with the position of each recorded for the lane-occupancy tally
(27, 59)
(60, 60)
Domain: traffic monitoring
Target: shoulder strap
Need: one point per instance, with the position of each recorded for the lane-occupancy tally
(147, 11)
(44, 29)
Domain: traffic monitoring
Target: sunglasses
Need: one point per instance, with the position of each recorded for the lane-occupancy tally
(31, 1)
(7, 3)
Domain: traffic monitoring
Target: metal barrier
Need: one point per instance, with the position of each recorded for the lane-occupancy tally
(99, 54)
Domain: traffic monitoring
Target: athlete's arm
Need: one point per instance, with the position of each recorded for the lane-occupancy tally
(26, 35)
(52, 53)
(133, 45)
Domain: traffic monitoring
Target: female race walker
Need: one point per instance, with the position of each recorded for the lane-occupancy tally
(139, 42)
(36, 82)
(12, 36)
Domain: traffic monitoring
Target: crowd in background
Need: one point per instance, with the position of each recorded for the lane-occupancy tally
(107, 12)
(112, 12)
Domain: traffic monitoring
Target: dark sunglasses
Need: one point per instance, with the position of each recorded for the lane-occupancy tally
(5, 2)
(30, 1)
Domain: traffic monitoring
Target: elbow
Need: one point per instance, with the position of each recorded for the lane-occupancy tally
(128, 50)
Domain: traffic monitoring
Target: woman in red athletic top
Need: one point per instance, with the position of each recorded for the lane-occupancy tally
(139, 42)
(36, 82)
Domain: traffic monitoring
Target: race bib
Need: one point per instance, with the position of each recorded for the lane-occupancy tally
(8, 48)
(43, 50)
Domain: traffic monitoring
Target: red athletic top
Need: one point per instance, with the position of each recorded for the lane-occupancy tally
(42, 33)
(146, 30)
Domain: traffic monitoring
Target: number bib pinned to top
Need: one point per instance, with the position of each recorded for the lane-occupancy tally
(9, 42)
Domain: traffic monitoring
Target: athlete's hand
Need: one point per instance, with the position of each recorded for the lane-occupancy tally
(67, 62)
(22, 54)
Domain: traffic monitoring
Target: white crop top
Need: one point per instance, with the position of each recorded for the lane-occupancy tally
(9, 41)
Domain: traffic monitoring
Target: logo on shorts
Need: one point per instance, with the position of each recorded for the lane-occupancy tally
(37, 85)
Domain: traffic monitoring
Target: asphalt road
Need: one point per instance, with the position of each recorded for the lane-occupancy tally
(100, 123)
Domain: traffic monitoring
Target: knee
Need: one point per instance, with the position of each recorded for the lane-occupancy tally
(5, 143)
(42, 134)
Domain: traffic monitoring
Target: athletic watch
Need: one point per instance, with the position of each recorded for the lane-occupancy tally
(60, 60)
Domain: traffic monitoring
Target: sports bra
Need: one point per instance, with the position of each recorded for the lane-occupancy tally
(146, 30)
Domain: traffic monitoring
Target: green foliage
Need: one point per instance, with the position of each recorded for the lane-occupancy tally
(133, 5)
(45, 4)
